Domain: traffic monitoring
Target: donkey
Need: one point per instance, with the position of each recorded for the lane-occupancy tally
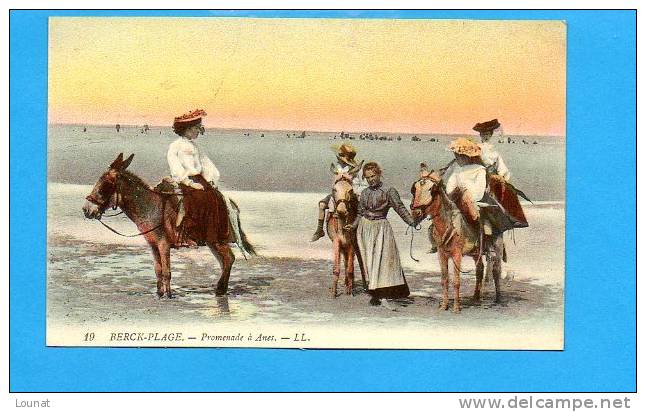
(155, 214)
(454, 238)
(343, 211)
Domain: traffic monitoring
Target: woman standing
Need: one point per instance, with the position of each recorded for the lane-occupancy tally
(376, 239)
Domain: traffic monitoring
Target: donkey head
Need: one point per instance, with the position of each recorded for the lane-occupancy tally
(104, 193)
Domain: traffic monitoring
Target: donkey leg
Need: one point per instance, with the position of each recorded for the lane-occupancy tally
(457, 264)
(158, 269)
(488, 275)
(479, 273)
(225, 257)
(444, 267)
(496, 263)
(349, 269)
(164, 252)
(336, 268)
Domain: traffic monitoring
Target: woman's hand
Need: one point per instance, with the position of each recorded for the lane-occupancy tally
(348, 227)
(197, 186)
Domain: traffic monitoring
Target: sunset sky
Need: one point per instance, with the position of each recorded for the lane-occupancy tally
(417, 76)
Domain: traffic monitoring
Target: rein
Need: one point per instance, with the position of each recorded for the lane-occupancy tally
(412, 236)
(117, 194)
(136, 234)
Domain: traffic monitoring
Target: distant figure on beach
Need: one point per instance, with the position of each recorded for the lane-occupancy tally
(345, 161)
(376, 239)
(118, 127)
(84, 129)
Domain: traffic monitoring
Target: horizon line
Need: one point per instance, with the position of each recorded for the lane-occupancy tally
(287, 130)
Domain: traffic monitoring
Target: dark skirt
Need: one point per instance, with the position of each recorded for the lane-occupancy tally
(206, 216)
(391, 292)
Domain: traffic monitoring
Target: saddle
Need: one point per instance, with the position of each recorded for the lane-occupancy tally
(201, 215)
(506, 211)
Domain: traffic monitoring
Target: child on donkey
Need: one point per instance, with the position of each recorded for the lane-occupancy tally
(345, 163)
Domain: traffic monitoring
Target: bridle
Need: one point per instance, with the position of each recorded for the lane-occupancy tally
(117, 195)
(348, 196)
(103, 206)
(422, 206)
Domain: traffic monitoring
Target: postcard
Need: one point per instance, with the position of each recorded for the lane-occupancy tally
(306, 183)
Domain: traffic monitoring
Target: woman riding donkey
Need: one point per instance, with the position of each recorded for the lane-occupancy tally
(503, 210)
(345, 164)
(206, 213)
(481, 178)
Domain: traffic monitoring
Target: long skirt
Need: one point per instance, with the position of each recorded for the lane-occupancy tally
(206, 213)
(381, 259)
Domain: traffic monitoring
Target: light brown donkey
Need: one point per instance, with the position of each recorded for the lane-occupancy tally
(342, 212)
(454, 238)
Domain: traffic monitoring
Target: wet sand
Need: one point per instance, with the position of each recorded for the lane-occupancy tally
(92, 283)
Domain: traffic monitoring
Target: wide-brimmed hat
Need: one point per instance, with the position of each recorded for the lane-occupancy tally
(346, 153)
(487, 127)
(465, 146)
(191, 116)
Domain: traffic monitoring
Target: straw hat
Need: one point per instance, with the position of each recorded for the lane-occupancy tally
(346, 153)
(191, 116)
(465, 146)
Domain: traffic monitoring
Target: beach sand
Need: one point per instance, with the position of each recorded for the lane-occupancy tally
(102, 282)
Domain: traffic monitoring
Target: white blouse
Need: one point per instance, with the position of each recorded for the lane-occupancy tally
(358, 182)
(471, 178)
(490, 157)
(184, 159)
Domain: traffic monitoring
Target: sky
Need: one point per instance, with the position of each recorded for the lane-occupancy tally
(407, 76)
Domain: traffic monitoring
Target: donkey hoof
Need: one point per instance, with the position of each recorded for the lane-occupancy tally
(444, 306)
(456, 309)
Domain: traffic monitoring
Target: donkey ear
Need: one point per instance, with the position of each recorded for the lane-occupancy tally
(127, 162)
(332, 169)
(116, 164)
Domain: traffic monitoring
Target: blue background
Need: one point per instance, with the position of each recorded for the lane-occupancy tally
(600, 293)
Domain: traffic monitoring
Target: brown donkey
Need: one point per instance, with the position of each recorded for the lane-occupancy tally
(155, 214)
(454, 238)
(342, 212)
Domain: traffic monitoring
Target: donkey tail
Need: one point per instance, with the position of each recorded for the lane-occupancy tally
(246, 245)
